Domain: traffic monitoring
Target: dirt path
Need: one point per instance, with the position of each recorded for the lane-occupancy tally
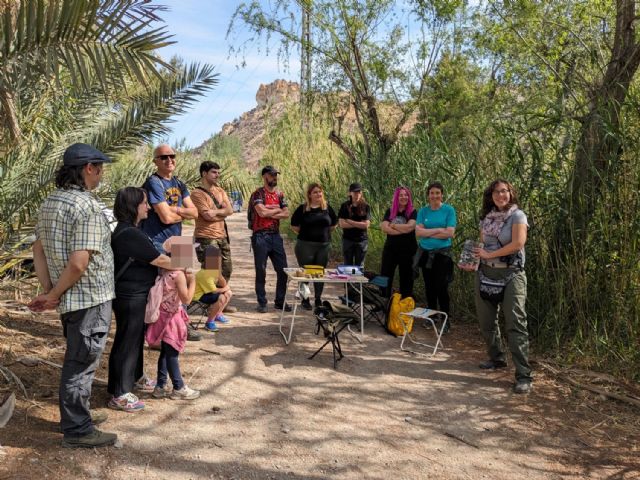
(267, 412)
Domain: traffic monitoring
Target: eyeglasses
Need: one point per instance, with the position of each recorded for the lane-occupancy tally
(164, 158)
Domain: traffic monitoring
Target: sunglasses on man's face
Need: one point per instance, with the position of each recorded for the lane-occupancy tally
(164, 158)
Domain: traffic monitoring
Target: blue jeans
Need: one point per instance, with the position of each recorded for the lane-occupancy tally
(168, 363)
(269, 245)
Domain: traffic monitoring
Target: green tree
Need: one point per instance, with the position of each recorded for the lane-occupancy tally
(363, 56)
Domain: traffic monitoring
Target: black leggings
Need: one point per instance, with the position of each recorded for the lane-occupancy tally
(313, 253)
(404, 261)
(436, 282)
(126, 359)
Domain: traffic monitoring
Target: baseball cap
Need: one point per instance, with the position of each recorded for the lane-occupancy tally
(355, 187)
(269, 169)
(80, 154)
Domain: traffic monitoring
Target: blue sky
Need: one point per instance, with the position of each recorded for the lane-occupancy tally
(199, 28)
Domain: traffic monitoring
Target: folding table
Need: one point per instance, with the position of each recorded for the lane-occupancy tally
(330, 277)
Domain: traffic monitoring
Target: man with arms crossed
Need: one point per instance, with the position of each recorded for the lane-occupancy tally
(214, 207)
(170, 204)
(268, 208)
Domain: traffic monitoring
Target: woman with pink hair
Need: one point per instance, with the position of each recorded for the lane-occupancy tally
(399, 223)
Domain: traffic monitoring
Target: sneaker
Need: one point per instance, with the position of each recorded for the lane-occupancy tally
(222, 319)
(145, 384)
(192, 335)
(159, 392)
(261, 308)
(98, 417)
(95, 439)
(211, 326)
(306, 304)
(286, 307)
(127, 403)
(492, 364)
(522, 387)
(185, 393)
(229, 309)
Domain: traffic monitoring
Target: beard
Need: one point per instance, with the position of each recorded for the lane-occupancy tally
(272, 183)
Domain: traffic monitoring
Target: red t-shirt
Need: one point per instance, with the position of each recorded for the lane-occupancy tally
(267, 198)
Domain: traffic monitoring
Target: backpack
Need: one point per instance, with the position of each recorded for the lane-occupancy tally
(152, 310)
(251, 215)
(395, 319)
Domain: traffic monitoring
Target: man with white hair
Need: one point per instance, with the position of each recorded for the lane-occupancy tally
(170, 204)
(169, 199)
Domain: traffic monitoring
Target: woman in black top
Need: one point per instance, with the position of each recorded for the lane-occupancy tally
(354, 219)
(399, 224)
(313, 221)
(136, 261)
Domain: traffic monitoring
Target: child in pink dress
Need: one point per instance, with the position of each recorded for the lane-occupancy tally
(169, 332)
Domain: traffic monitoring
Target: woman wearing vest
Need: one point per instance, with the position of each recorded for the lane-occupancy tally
(399, 223)
(136, 260)
(501, 280)
(435, 228)
(313, 221)
(354, 219)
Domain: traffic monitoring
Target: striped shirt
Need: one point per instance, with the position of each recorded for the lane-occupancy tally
(72, 220)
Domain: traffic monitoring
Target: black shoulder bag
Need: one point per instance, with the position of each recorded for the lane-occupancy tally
(129, 261)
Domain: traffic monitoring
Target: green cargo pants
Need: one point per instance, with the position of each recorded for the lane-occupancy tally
(513, 307)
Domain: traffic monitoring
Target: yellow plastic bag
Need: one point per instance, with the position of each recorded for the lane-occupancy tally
(395, 319)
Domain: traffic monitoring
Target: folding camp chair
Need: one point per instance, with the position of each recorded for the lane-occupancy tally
(332, 319)
(374, 302)
(197, 308)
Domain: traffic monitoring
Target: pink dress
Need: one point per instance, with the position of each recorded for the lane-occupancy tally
(171, 326)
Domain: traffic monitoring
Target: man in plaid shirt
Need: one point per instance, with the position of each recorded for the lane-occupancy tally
(74, 264)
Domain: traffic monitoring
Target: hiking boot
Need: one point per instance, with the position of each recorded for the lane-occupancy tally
(286, 307)
(98, 417)
(522, 387)
(145, 384)
(229, 309)
(159, 392)
(492, 364)
(306, 304)
(211, 326)
(185, 393)
(127, 403)
(222, 319)
(192, 335)
(261, 309)
(95, 439)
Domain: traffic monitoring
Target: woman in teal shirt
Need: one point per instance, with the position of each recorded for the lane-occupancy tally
(435, 227)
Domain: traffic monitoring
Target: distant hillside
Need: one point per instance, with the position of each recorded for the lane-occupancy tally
(272, 103)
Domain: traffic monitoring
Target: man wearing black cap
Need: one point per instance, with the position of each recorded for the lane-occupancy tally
(74, 264)
(354, 217)
(266, 208)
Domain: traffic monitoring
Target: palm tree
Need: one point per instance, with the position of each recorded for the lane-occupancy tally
(81, 70)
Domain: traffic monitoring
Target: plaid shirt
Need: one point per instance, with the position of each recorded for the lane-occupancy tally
(72, 220)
